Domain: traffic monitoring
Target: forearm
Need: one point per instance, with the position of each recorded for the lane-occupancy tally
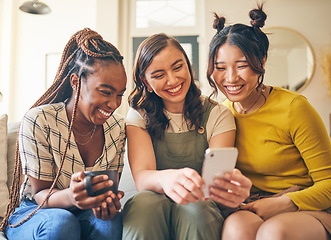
(150, 180)
(316, 197)
(57, 199)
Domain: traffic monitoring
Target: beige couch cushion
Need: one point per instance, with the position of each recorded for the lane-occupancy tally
(12, 135)
(4, 196)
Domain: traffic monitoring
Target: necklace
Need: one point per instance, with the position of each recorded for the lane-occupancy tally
(261, 94)
(92, 134)
(180, 127)
(84, 135)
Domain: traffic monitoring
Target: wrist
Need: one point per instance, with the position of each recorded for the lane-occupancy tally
(290, 206)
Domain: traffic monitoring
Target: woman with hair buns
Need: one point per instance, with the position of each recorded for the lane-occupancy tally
(70, 129)
(282, 142)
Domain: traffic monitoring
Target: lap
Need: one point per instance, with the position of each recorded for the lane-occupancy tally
(152, 209)
(58, 223)
(291, 225)
(50, 223)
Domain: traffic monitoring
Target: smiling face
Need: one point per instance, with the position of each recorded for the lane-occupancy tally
(169, 77)
(233, 75)
(101, 93)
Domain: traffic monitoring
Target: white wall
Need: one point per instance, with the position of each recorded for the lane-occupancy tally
(26, 38)
(32, 37)
(310, 18)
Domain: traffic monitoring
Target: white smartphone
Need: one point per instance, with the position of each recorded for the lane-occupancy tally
(217, 162)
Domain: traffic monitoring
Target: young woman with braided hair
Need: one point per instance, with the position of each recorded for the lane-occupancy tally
(70, 129)
(282, 142)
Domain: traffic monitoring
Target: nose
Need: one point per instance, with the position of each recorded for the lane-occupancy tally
(232, 75)
(172, 79)
(113, 103)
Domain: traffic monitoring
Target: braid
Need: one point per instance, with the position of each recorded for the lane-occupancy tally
(14, 194)
(82, 51)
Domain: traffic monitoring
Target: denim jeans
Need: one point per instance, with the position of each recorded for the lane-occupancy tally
(58, 223)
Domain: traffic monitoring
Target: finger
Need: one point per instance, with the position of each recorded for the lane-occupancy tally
(239, 178)
(102, 185)
(231, 187)
(225, 197)
(245, 206)
(93, 202)
(177, 198)
(99, 178)
(78, 176)
(97, 212)
(194, 176)
(104, 211)
(111, 208)
(78, 187)
(120, 194)
(185, 194)
(193, 189)
(116, 202)
(224, 201)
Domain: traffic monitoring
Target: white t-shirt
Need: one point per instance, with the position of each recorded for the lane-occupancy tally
(220, 120)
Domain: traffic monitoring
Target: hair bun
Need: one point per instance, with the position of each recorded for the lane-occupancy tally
(258, 17)
(218, 23)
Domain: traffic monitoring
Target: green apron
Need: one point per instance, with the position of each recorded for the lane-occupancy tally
(149, 215)
(186, 149)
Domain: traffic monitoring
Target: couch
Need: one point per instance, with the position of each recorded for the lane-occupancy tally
(8, 136)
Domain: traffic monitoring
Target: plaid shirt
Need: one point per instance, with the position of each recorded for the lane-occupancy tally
(43, 135)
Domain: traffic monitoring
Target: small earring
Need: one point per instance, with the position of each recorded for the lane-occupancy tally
(149, 90)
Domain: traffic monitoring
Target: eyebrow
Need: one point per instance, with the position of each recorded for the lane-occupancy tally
(179, 60)
(239, 61)
(111, 87)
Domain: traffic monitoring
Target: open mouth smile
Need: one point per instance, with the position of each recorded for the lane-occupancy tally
(104, 113)
(234, 88)
(175, 90)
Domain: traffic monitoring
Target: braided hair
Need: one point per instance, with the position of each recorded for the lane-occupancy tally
(84, 49)
(250, 39)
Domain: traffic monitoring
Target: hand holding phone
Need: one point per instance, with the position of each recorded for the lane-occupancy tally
(217, 162)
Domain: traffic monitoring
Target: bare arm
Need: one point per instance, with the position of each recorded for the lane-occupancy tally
(143, 167)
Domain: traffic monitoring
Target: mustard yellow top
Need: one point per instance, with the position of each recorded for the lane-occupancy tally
(285, 143)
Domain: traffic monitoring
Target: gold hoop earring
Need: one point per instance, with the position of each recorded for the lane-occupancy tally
(149, 90)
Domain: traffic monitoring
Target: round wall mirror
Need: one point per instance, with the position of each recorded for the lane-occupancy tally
(290, 62)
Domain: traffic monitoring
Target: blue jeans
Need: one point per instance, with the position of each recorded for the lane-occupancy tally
(58, 223)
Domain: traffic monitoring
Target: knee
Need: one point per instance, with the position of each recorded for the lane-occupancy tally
(240, 225)
(145, 204)
(207, 211)
(202, 219)
(273, 230)
(62, 224)
(146, 214)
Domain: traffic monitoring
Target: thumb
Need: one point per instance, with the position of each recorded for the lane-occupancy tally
(78, 176)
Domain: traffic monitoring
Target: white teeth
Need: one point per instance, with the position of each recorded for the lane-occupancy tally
(174, 90)
(233, 88)
(106, 114)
